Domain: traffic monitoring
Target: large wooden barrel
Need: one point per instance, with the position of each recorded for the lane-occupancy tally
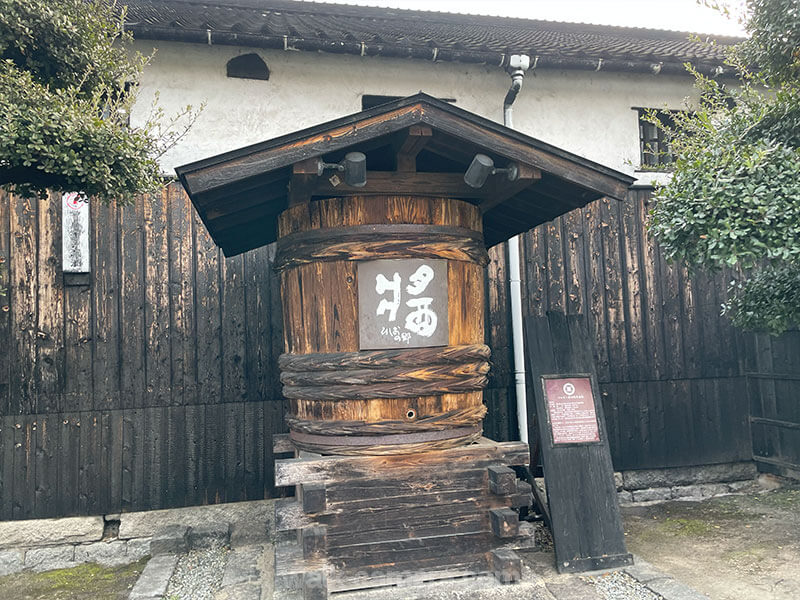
(348, 395)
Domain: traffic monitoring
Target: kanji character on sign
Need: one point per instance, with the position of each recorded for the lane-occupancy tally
(383, 285)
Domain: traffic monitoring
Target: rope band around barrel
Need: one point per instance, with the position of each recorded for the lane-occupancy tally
(407, 357)
(383, 241)
(374, 374)
(400, 374)
(465, 417)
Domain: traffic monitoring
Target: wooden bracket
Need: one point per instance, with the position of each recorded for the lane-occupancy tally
(313, 497)
(305, 175)
(313, 540)
(505, 522)
(506, 565)
(498, 189)
(502, 480)
(409, 144)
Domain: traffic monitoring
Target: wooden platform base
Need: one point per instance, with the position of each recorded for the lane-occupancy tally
(361, 522)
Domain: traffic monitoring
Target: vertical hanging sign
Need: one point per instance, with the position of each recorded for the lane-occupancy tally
(74, 233)
(402, 303)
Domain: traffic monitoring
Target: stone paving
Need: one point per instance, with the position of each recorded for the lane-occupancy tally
(247, 529)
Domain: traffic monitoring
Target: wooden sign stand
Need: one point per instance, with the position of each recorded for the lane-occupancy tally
(581, 493)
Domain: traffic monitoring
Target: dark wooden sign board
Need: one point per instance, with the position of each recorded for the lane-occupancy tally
(581, 493)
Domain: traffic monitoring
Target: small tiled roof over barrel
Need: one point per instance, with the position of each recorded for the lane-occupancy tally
(371, 31)
(240, 194)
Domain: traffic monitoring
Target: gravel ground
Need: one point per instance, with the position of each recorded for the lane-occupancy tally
(544, 540)
(619, 586)
(198, 575)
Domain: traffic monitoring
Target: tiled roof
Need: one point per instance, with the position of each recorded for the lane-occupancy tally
(369, 31)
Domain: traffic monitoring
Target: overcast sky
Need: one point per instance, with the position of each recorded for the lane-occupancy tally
(678, 15)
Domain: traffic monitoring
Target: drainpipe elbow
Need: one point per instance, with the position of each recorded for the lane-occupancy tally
(516, 86)
(516, 67)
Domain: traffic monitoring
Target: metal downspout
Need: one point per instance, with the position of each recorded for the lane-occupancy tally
(517, 66)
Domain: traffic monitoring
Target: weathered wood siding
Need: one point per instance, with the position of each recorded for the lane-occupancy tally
(773, 375)
(150, 383)
(153, 381)
(669, 366)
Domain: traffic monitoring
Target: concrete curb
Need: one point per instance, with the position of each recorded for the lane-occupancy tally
(660, 583)
(173, 539)
(50, 532)
(152, 583)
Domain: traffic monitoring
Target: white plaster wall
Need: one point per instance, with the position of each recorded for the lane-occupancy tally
(588, 113)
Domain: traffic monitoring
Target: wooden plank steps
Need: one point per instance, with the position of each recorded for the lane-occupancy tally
(292, 569)
(360, 522)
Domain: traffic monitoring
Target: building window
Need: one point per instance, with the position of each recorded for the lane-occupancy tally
(248, 66)
(654, 150)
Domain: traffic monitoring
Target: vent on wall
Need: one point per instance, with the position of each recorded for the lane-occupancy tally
(248, 66)
(371, 100)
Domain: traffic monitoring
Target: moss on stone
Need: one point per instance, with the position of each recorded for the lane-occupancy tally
(83, 582)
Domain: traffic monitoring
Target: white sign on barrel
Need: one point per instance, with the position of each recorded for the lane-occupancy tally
(402, 303)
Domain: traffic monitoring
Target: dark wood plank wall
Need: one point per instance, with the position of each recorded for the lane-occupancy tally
(500, 422)
(155, 383)
(773, 370)
(670, 367)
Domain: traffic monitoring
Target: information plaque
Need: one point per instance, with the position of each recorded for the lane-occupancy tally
(402, 303)
(571, 410)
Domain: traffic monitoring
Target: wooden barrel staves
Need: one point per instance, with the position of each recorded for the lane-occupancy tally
(383, 323)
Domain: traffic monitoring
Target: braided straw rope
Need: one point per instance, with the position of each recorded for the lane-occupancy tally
(395, 373)
(375, 359)
(380, 241)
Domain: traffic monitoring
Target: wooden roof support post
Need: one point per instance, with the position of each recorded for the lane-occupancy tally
(409, 144)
